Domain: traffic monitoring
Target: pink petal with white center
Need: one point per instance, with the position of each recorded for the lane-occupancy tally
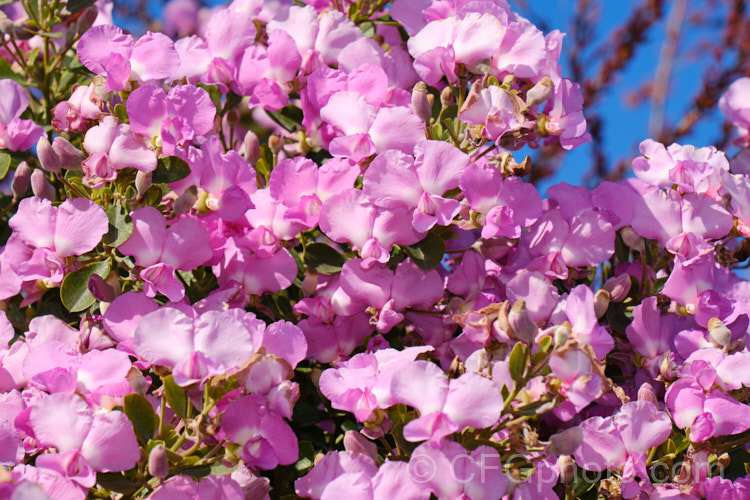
(396, 128)
(730, 415)
(99, 139)
(223, 338)
(370, 285)
(346, 217)
(110, 445)
(704, 217)
(522, 51)
(440, 33)
(100, 43)
(603, 448)
(421, 385)
(394, 227)
(52, 366)
(61, 420)
(481, 184)
(228, 34)
(101, 368)
(642, 426)
(164, 337)
(591, 240)
(194, 105)
(128, 151)
(34, 222)
(147, 108)
(300, 23)
(186, 245)
(473, 401)
(293, 178)
(335, 32)
(147, 239)
(286, 340)
(413, 287)
(349, 112)
(371, 81)
(389, 169)
(123, 314)
(154, 57)
(657, 215)
(440, 165)
(335, 175)
(477, 37)
(194, 58)
(79, 226)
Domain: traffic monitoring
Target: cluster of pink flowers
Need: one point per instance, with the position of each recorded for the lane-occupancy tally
(291, 252)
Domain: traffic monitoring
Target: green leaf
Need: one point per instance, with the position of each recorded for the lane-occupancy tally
(75, 6)
(120, 226)
(74, 291)
(515, 364)
(121, 113)
(176, 397)
(8, 74)
(306, 456)
(115, 481)
(141, 414)
(428, 253)
(323, 258)
(4, 163)
(287, 118)
(170, 169)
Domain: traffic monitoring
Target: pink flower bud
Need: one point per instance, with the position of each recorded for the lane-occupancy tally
(48, 158)
(646, 393)
(618, 287)
(86, 19)
(356, 443)
(142, 182)
(540, 92)
(420, 103)
(41, 187)
(70, 156)
(21, 178)
(250, 149)
(567, 468)
(523, 326)
(565, 442)
(157, 462)
(185, 201)
(100, 289)
(631, 239)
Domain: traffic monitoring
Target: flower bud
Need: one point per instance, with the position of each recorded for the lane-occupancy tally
(601, 302)
(420, 103)
(357, 444)
(723, 461)
(21, 178)
(250, 149)
(719, 333)
(275, 142)
(86, 19)
(446, 97)
(70, 156)
(565, 442)
(6, 25)
(41, 187)
(142, 182)
(618, 287)
(521, 323)
(646, 393)
(157, 462)
(632, 239)
(185, 201)
(100, 289)
(540, 92)
(567, 468)
(48, 158)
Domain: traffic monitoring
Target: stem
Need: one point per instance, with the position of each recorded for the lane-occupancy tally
(489, 148)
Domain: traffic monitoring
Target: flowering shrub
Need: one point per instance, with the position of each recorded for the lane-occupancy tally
(295, 255)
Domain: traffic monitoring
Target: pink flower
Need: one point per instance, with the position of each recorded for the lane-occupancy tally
(266, 441)
(85, 443)
(733, 103)
(196, 347)
(444, 407)
(16, 134)
(161, 251)
(171, 120)
(183, 487)
(107, 50)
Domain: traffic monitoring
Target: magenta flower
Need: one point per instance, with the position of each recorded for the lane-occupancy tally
(161, 251)
(184, 487)
(46, 236)
(422, 182)
(266, 441)
(170, 120)
(444, 407)
(622, 441)
(16, 134)
(107, 50)
(196, 347)
(85, 443)
(112, 146)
